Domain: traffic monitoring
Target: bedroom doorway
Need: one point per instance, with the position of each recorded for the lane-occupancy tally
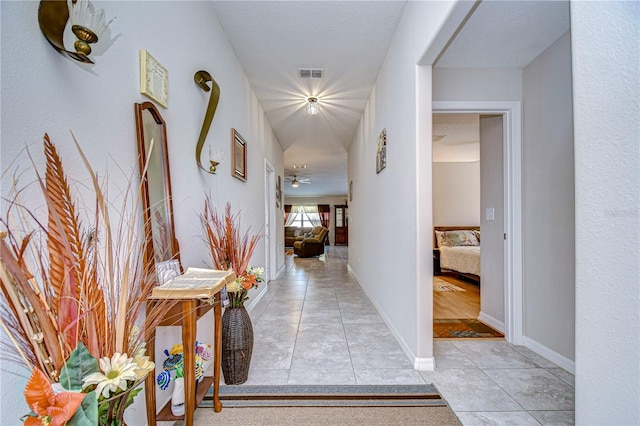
(468, 202)
(500, 299)
(456, 219)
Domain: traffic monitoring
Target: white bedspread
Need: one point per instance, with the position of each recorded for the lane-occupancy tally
(464, 259)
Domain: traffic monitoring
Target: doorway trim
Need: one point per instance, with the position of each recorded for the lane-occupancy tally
(271, 267)
(512, 160)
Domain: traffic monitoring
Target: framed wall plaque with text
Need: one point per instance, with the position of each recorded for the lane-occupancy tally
(154, 79)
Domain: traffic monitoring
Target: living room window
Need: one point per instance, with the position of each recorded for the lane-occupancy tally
(303, 217)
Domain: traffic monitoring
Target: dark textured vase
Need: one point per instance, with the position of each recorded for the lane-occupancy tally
(237, 345)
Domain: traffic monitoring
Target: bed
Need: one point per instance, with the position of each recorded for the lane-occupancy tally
(457, 249)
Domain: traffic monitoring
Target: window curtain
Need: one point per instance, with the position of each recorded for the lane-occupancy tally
(311, 212)
(287, 213)
(292, 215)
(325, 213)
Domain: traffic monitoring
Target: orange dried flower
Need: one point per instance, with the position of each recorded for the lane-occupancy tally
(248, 281)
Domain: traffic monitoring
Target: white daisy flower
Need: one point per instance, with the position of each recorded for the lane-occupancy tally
(115, 373)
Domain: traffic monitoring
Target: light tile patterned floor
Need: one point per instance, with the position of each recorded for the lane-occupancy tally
(315, 325)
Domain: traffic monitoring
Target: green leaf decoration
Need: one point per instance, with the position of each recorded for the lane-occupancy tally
(132, 395)
(87, 413)
(31, 414)
(80, 364)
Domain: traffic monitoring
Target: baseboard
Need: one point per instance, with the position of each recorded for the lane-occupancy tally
(249, 305)
(422, 362)
(281, 270)
(425, 364)
(491, 322)
(545, 352)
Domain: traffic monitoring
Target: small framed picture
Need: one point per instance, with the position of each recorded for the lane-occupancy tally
(154, 79)
(166, 271)
(381, 152)
(239, 156)
(224, 297)
(278, 192)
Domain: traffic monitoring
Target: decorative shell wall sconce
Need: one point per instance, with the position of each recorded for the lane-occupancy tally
(86, 24)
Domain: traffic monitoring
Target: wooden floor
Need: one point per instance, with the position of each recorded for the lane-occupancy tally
(456, 304)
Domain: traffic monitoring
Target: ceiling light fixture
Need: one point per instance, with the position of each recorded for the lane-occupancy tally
(299, 166)
(294, 183)
(312, 105)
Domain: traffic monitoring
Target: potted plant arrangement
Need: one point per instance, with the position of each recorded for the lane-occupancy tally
(72, 300)
(231, 247)
(175, 363)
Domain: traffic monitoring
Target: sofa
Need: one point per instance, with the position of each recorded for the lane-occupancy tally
(312, 245)
(293, 234)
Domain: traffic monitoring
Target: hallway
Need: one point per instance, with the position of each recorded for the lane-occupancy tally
(315, 325)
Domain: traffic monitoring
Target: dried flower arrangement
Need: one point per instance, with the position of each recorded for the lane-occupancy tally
(231, 246)
(73, 294)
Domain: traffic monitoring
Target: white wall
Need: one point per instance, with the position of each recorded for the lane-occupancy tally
(382, 250)
(548, 200)
(332, 201)
(47, 92)
(606, 89)
(477, 84)
(456, 194)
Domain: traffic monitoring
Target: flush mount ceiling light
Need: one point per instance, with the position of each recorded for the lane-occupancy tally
(312, 105)
(299, 166)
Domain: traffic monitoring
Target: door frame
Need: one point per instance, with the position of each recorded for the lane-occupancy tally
(271, 267)
(512, 164)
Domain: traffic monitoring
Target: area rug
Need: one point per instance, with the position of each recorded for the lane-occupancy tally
(326, 416)
(288, 252)
(441, 285)
(463, 328)
(328, 405)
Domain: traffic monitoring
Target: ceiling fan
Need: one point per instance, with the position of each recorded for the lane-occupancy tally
(295, 182)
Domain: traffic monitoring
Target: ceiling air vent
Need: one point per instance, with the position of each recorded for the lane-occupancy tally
(310, 72)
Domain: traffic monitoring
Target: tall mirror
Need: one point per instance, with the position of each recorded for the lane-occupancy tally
(161, 243)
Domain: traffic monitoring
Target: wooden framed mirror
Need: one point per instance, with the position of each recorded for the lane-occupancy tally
(157, 208)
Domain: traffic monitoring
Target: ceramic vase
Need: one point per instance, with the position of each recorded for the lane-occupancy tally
(177, 398)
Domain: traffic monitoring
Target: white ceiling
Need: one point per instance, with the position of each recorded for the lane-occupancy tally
(456, 138)
(507, 34)
(349, 40)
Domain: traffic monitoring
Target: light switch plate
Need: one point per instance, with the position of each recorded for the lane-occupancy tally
(490, 214)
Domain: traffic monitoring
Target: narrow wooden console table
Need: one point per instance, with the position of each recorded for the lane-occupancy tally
(186, 313)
